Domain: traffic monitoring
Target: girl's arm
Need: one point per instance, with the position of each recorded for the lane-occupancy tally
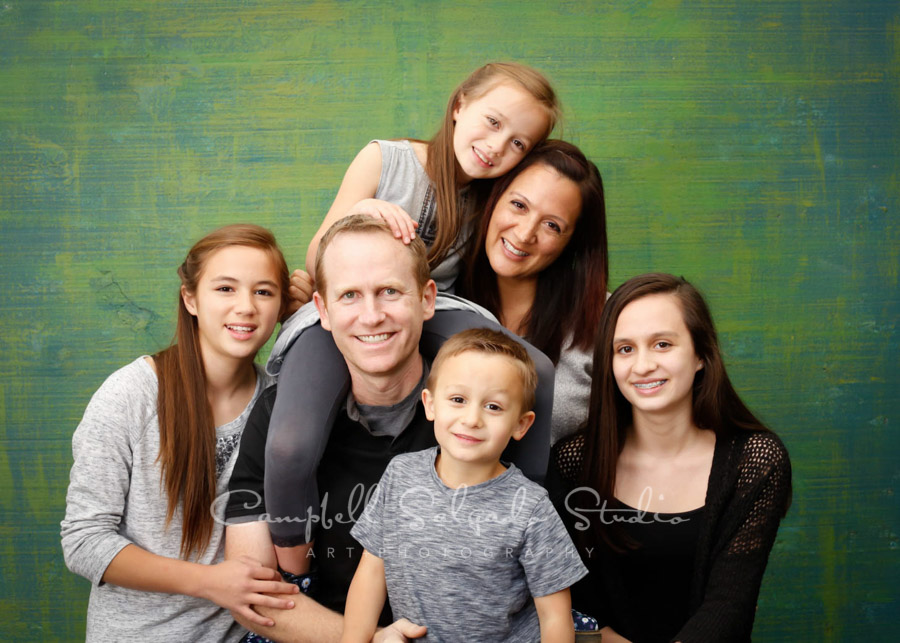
(747, 532)
(365, 600)
(356, 196)
(555, 616)
(233, 584)
(300, 291)
(112, 430)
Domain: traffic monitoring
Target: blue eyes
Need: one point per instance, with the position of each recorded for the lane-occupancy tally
(352, 294)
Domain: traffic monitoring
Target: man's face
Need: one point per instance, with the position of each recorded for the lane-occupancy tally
(372, 304)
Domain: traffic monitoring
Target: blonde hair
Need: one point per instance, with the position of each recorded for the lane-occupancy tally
(489, 342)
(442, 167)
(364, 224)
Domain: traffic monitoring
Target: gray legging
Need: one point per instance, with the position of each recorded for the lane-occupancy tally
(312, 386)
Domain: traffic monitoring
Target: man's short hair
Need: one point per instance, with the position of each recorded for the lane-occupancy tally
(489, 342)
(364, 224)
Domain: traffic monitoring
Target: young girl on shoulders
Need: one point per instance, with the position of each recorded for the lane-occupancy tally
(156, 447)
(675, 490)
(431, 189)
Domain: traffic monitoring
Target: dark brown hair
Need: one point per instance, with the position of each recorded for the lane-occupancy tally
(489, 342)
(716, 405)
(571, 290)
(441, 165)
(187, 433)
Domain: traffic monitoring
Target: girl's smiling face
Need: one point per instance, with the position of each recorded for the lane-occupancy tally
(532, 223)
(654, 361)
(494, 131)
(236, 303)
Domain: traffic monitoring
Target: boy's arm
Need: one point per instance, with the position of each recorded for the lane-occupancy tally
(365, 600)
(555, 616)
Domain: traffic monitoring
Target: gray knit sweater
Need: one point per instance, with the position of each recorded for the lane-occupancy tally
(115, 498)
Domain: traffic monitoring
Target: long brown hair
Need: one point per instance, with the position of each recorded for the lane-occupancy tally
(716, 405)
(187, 433)
(572, 289)
(441, 165)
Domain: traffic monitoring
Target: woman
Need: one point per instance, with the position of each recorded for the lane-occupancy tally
(674, 489)
(539, 264)
(156, 447)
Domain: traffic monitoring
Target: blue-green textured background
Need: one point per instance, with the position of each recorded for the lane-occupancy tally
(751, 146)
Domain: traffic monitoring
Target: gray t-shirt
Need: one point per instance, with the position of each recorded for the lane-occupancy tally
(466, 561)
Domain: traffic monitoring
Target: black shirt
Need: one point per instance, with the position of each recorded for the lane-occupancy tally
(351, 466)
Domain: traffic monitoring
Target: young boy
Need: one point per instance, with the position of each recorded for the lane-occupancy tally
(461, 542)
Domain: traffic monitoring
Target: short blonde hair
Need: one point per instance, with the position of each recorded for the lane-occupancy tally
(489, 342)
(364, 224)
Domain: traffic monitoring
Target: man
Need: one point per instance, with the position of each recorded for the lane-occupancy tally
(373, 297)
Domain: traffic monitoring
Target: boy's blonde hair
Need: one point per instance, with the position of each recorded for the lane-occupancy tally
(489, 342)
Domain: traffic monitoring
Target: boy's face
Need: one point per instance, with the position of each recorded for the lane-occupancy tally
(476, 406)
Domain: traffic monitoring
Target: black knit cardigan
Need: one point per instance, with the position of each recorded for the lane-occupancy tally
(748, 493)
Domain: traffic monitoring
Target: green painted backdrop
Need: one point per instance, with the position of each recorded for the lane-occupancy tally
(751, 146)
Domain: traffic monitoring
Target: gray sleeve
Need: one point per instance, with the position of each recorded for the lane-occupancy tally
(572, 391)
(102, 448)
(369, 529)
(554, 563)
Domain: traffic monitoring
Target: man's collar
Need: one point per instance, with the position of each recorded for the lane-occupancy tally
(405, 408)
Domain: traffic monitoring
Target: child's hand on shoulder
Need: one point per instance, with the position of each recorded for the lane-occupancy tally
(402, 225)
(300, 291)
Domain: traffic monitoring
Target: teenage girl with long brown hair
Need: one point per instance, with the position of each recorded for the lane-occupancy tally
(156, 447)
(674, 490)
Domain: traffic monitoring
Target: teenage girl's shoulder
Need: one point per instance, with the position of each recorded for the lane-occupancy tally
(763, 461)
(763, 448)
(126, 399)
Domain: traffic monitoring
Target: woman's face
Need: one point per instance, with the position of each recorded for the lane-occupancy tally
(654, 361)
(532, 223)
(236, 303)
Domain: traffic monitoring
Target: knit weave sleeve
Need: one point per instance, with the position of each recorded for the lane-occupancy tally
(742, 542)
